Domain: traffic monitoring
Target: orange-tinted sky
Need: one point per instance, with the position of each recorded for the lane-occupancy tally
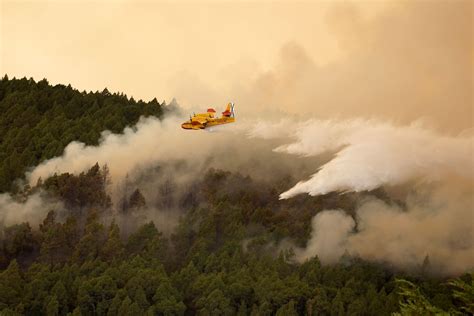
(401, 61)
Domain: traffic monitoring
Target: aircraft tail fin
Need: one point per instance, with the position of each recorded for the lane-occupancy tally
(229, 110)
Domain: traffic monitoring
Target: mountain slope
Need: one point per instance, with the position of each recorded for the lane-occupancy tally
(38, 120)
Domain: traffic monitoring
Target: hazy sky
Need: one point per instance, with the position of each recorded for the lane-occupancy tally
(327, 58)
(139, 47)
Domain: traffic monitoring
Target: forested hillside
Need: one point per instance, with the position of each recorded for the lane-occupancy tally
(221, 259)
(38, 120)
(211, 247)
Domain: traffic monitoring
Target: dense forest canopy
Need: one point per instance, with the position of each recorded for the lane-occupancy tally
(81, 261)
(38, 120)
(91, 256)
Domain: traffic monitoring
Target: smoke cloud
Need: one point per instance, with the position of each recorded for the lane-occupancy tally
(436, 170)
(371, 154)
(412, 60)
(390, 60)
(331, 230)
(154, 142)
(33, 210)
(164, 162)
(440, 228)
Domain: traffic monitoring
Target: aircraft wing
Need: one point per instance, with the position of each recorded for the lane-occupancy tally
(201, 120)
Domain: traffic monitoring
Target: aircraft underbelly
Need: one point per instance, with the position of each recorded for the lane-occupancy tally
(192, 126)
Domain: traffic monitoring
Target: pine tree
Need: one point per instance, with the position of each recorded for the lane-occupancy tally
(91, 243)
(11, 286)
(52, 309)
(137, 200)
(113, 247)
(287, 310)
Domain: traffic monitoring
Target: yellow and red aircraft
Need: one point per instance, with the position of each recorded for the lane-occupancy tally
(208, 119)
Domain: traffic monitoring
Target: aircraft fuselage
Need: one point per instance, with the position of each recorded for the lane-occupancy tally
(195, 124)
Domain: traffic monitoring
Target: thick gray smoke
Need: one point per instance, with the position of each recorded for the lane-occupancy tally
(438, 220)
(155, 141)
(412, 60)
(440, 228)
(164, 162)
(331, 230)
(436, 170)
(371, 154)
(150, 141)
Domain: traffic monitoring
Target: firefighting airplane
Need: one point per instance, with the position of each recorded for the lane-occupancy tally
(209, 119)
